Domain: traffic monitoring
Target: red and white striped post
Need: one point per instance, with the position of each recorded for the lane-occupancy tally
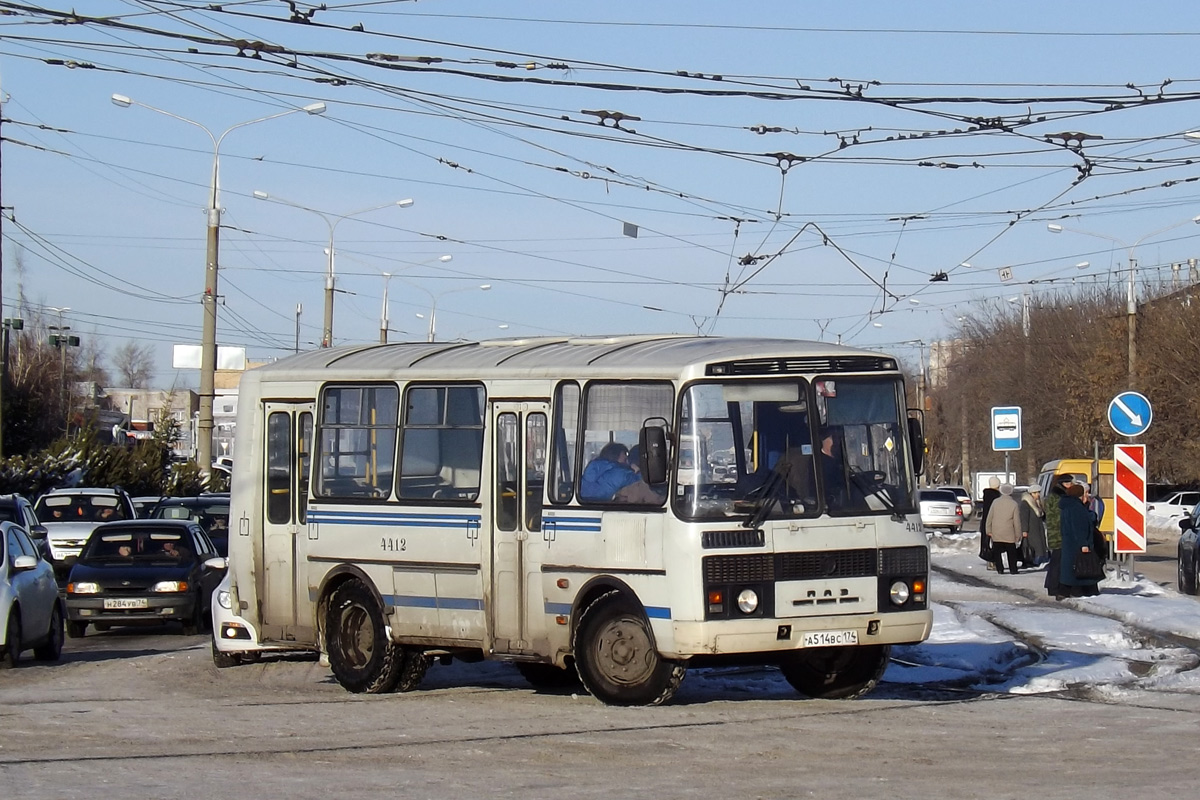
(1129, 530)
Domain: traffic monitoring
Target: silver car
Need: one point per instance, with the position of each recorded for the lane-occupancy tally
(940, 509)
(964, 499)
(30, 611)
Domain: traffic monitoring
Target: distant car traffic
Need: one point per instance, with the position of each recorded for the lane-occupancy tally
(940, 509)
(964, 499)
(211, 510)
(30, 612)
(1176, 504)
(143, 571)
(70, 516)
(144, 506)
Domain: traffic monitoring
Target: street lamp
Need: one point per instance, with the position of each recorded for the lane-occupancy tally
(383, 314)
(62, 339)
(208, 345)
(1131, 294)
(433, 298)
(332, 221)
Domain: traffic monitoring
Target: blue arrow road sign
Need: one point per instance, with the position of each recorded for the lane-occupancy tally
(1129, 414)
(1006, 428)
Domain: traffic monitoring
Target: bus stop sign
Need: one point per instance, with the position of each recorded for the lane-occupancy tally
(1006, 428)
(1129, 530)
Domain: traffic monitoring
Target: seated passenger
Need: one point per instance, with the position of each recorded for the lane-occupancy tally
(639, 491)
(607, 474)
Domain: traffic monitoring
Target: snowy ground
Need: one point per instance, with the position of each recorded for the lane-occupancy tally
(1001, 633)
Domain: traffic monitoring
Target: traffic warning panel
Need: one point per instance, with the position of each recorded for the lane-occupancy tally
(1130, 510)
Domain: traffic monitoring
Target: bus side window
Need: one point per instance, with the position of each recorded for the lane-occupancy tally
(566, 437)
(279, 472)
(441, 450)
(535, 470)
(358, 441)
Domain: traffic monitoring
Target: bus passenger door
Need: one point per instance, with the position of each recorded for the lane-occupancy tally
(287, 459)
(519, 445)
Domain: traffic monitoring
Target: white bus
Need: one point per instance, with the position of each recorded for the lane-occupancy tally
(393, 504)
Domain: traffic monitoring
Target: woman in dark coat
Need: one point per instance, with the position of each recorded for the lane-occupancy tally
(1077, 523)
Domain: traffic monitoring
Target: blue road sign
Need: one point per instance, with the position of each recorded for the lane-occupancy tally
(1130, 414)
(1006, 428)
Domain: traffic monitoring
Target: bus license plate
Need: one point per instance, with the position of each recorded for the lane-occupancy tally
(124, 602)
(830, 638)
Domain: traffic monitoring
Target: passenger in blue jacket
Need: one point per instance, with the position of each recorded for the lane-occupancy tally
(607, 474)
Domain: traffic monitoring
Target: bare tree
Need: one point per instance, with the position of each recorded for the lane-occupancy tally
(134, 364)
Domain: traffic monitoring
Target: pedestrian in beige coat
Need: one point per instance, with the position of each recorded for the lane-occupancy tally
(1004, 526)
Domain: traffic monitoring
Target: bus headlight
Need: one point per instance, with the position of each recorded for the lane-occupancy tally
(747, 601)
(899, 593)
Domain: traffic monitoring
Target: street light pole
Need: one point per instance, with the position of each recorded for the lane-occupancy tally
(433, 299)
(332, 221)
(383, 314)
(208, 344)
(1131, 293)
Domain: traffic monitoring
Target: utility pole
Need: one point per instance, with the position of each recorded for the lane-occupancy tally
(299, 311)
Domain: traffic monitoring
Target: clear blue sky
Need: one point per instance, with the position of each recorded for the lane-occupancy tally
(531, 195)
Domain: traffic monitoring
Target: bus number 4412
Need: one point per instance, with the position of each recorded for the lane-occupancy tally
(390, 545)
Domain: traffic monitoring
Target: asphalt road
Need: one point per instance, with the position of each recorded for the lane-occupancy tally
(144, 713)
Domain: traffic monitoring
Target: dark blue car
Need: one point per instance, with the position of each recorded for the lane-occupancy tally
(146, 571)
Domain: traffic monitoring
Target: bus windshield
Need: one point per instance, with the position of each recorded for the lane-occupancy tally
(793, 448)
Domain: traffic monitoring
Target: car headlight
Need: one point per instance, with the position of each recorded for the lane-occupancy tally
(224, 600)
(170, 586)
(83, 587)
(899, 593)
(747, 601)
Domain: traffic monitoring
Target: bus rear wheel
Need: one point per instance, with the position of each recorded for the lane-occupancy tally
(836, 673)
(361, 657)
(616, 657)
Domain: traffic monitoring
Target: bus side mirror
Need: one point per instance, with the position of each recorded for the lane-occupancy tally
(916, 444)
(653, 442)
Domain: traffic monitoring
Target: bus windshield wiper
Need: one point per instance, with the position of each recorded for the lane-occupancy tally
(766, 497)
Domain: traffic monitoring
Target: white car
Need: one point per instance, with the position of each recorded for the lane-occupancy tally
(1175, 506)
(30, 612)
(940, 509)
(70, 516)
(964, 499)
(234, 639)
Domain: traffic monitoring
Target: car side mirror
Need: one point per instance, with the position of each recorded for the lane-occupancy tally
(38, 531)
(1185, 524)
(219, 562)
(24, 563)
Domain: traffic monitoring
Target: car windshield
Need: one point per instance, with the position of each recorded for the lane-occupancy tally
(79, 508)
(151, 545)
(790, 448)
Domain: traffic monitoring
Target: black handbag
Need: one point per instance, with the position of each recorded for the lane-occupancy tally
(1026, 552)
(985, 547)
(1088, 566)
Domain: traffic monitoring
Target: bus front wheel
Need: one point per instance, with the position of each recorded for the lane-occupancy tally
(836, 673)
(616, 657)
(361, 657)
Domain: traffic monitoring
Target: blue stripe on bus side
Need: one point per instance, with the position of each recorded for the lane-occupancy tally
(579, 524)
(653, 612)
(452, 603)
